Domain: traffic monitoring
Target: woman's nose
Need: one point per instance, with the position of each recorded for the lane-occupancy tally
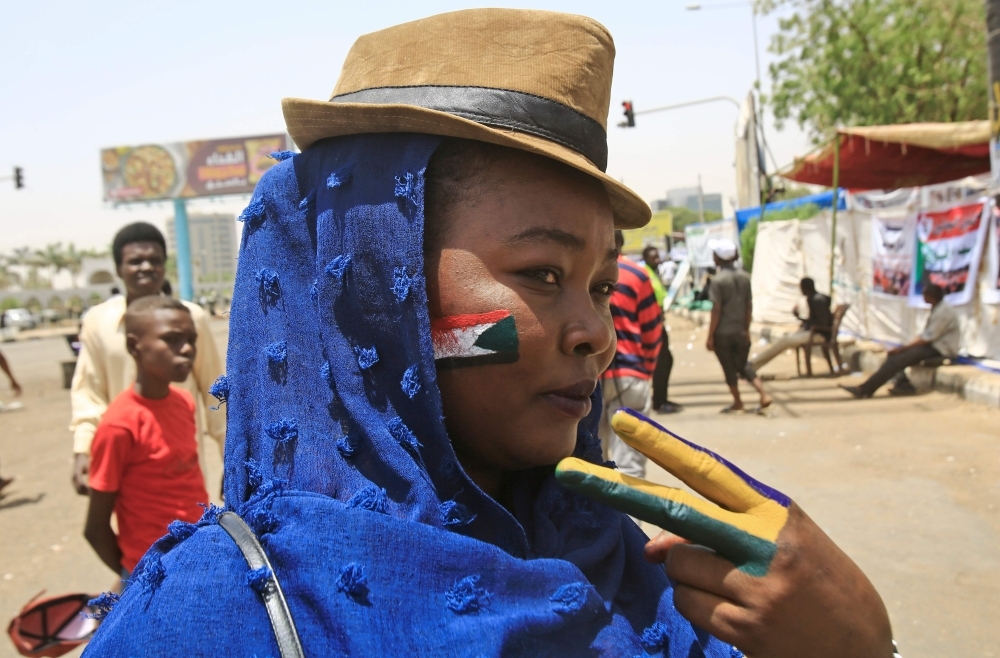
(587, 332)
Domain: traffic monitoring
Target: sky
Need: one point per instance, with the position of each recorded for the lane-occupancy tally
(79, 76)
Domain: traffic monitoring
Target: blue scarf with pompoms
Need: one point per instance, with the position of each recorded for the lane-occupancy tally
(338, 458)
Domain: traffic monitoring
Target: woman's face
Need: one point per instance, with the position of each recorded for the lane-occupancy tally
(539, 244)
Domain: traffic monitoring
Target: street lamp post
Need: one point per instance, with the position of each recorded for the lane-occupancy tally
(697, 6)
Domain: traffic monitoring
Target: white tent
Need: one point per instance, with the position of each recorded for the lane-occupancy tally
(786, 251)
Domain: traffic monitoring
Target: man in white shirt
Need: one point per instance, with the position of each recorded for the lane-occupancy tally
(104, 368)
(942, 336)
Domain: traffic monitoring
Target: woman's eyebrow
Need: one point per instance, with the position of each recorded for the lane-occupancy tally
(543, 234)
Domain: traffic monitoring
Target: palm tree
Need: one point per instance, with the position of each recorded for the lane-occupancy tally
(26, 257)
(8, 277)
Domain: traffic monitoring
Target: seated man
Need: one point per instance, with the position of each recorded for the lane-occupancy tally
(819, 316)
(941, 337)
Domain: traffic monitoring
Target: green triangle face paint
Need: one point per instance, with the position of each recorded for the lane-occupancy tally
(475, 339)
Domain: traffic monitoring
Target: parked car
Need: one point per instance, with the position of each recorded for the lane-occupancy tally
(50, 315)
(21, 318)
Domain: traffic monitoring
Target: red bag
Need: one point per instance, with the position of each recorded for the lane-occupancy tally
(53, 626)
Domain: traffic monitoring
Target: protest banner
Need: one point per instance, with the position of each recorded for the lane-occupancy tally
(893, 246)
(948, 250)
(991, 291)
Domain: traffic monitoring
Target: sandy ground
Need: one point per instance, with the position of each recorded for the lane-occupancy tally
(910, 487)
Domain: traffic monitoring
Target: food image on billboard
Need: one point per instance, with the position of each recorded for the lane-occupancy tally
(186, 170)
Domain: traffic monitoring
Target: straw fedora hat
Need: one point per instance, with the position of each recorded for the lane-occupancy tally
(538, 81)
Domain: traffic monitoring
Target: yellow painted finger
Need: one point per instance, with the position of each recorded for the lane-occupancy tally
(704, 471)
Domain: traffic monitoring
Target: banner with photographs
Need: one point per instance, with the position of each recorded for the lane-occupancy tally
(893, 246)
(948, 250)
(991, 291)
(154, 172)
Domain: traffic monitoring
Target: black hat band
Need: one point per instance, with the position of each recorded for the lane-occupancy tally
(500, 108)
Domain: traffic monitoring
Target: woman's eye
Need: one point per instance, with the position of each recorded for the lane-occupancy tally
(606, 289)
(544, 275)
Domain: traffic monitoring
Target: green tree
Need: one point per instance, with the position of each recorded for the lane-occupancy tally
(875, 62)
(748, 236)
(8, 277)
(25, 256)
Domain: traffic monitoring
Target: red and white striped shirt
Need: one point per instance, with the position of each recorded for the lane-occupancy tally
(638, 323)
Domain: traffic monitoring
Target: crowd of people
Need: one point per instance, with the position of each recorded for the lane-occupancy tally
(415, 424)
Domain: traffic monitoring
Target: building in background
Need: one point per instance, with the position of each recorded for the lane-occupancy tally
(687, 197)
(213, 246)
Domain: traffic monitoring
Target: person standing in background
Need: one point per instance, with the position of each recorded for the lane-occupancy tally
(729, 332)
(626, 382)
(665, 361)
(17, 391)
(145, 457)
(105, 369)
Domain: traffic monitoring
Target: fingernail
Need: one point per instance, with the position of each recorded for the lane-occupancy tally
(624, 422)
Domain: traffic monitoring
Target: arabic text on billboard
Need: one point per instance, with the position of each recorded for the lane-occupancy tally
(187, 169)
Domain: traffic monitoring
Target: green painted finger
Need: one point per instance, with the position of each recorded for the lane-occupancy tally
(743, 521)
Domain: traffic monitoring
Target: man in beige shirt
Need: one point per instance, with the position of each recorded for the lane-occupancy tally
(104, 368)
(942, 337)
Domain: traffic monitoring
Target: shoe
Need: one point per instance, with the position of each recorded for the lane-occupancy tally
(900, 391)
(669, 408)
(855, 391)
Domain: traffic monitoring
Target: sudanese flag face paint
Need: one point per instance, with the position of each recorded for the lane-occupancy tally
(475, 339)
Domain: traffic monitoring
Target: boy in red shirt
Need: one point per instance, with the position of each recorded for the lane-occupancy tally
(144, 464)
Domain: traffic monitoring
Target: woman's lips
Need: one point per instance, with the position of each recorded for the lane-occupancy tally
(574, 401)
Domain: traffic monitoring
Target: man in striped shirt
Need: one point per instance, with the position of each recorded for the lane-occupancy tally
(627, 382)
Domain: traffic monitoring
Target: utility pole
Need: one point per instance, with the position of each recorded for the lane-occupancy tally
(993, 56)
(701, 202)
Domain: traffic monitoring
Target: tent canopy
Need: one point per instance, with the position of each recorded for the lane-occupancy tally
(904, 155)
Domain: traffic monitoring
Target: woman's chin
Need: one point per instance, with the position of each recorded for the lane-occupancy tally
(549, 449)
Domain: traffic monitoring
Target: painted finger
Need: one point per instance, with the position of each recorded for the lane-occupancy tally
(743, 539)
(704, 471)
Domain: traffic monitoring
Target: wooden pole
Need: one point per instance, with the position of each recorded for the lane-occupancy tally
(993, 59)
(836, 202)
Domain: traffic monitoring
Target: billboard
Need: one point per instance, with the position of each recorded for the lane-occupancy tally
(651, 234)
(186, 170)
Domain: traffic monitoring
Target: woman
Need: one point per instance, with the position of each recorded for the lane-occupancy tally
(419, 323)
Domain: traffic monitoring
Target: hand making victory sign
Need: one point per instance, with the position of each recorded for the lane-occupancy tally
(750, 566)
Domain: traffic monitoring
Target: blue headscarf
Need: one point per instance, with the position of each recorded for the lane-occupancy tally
(338, 458)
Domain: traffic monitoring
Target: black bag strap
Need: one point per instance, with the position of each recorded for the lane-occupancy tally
(274, 599)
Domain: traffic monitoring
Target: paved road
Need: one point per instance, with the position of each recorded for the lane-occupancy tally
(909, 487)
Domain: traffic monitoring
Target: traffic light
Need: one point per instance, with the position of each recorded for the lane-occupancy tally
(18, 178)
(629, 115)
